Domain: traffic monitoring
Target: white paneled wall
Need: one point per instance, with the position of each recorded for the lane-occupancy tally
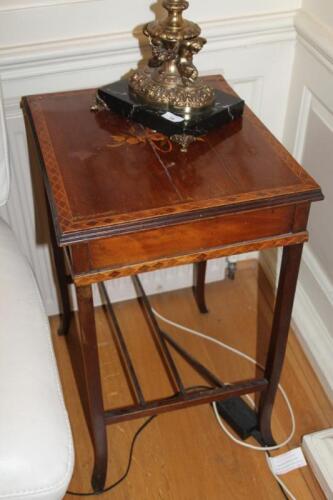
(309, 137)
(60, 45)
(309, 133)
(321, 10)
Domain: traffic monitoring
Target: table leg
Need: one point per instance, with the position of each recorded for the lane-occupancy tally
(281, 323)
(93, 389)
(199, 279)
(60, 268)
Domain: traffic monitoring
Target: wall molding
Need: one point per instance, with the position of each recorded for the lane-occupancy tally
(221, 34)
(13, 5)
(307, 323)
(311, 102)
(10, 6)
(319, 276)
(316, 37)
(302, 124)
(315, 338)
(4, 155)
(314, 298)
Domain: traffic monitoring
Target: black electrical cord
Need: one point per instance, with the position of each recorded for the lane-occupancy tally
(124, 476)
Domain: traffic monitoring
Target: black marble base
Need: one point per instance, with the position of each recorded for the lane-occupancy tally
(118, 98)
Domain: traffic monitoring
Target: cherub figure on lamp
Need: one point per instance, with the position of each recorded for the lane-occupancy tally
(187, 70)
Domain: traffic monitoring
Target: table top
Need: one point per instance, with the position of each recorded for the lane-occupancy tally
(107, 176)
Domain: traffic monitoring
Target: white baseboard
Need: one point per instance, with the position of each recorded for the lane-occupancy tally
(164, 280)
(311, 315)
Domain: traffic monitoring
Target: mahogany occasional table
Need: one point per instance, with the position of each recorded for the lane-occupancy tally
(123, 200)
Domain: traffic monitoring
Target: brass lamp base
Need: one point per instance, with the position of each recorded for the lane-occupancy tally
(177, 97)
(171, 81)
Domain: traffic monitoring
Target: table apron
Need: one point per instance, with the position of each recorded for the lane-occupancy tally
(97, 276)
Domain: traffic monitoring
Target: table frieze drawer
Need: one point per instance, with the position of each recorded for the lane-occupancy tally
(188, 238)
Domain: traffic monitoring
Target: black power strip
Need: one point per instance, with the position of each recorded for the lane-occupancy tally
(240, 416)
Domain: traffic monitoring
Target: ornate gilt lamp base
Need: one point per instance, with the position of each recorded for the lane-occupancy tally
(183, 100)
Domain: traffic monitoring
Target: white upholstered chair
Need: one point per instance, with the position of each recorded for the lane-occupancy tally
(36, 450)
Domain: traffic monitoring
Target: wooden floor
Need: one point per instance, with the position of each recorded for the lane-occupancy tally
(185, 455)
